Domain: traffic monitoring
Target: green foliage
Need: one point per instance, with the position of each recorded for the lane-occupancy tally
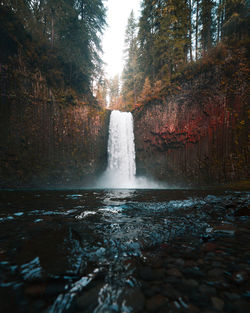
(177, 40)
(114, 91)
(131, 77)
(60, 38)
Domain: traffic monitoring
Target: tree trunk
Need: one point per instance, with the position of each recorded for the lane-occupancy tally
(196, 29)
(52, 28)
(190, 30)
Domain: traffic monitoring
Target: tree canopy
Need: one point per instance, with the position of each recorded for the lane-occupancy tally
(173, 34)
(62, 38)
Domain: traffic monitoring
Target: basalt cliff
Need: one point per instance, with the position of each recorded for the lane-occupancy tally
(199, 135)
(48, 140)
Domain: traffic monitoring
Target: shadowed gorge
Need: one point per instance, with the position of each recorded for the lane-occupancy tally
(126, 191)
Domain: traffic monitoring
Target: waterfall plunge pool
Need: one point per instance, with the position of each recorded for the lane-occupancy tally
(121, 169)
(123, 250)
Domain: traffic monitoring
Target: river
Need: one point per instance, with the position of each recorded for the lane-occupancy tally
(124, 250)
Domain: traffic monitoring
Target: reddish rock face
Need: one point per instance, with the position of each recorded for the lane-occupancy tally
(198, 136)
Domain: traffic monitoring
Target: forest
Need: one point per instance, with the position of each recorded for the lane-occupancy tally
(124, 193)
(58, 39)
(53, 84)
(174, 41)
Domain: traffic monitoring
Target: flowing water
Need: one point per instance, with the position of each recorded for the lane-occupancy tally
(80, 250)
(91, 250)
(121, 169)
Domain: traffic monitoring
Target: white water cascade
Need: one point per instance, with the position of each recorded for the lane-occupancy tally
(121, 169)
(121, 148)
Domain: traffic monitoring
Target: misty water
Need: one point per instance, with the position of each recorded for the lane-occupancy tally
(121, 169)
(121, 250)
(82, 250)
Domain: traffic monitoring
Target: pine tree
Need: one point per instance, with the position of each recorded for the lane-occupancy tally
(114, 91)
(66, 36)
(236, 19)
(207, 31)
(172, 38)
(131, 74)
(146, 58)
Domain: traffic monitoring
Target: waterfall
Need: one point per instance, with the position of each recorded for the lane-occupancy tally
(121, 169)
(121, 146)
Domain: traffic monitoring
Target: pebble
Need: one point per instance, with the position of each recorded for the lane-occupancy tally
(216, 272)
(174, 272)
(170, 292)
(35, 289)
(209, 246)
(204, 289)
(146, 273)
(136, 300)
(191, 282)
(231, 296)
(240, 276)
(89, 299)
(218, 303)
(159, 273)
(155, 303)
(241, 306)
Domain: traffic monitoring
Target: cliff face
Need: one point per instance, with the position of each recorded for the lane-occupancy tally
(198, 136)
(46, 140)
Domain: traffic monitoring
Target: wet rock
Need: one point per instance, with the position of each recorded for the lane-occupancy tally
(136, 300)
(226, 229)
(216, 264)
(39, 305)
(146, 273)
(151, 291)
(190, 263)
(209, 246)
(10, 302)
(242, 212)
(57, 250)
(35, 289)
(241, 306)
(217, 303)
(180, 262)
(155, 303)
(208, 290)
(190, 282)
(156, 262)
(192, 272)
(193, 309)
(240, 276)
(231, 296)
(216, 272)
(170, 292)
(55, 288)
(174, 272)
(159, 273)
(89, 299)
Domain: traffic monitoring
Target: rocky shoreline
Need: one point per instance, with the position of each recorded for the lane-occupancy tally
(189, 255)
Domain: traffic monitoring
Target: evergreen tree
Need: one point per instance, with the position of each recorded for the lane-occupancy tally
(235, 19)
(207, 29)
(131, 74)
(66, 37)
(146, 33)
(114, 91)
(171, 40)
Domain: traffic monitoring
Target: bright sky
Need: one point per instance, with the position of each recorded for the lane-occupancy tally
(113, 39)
